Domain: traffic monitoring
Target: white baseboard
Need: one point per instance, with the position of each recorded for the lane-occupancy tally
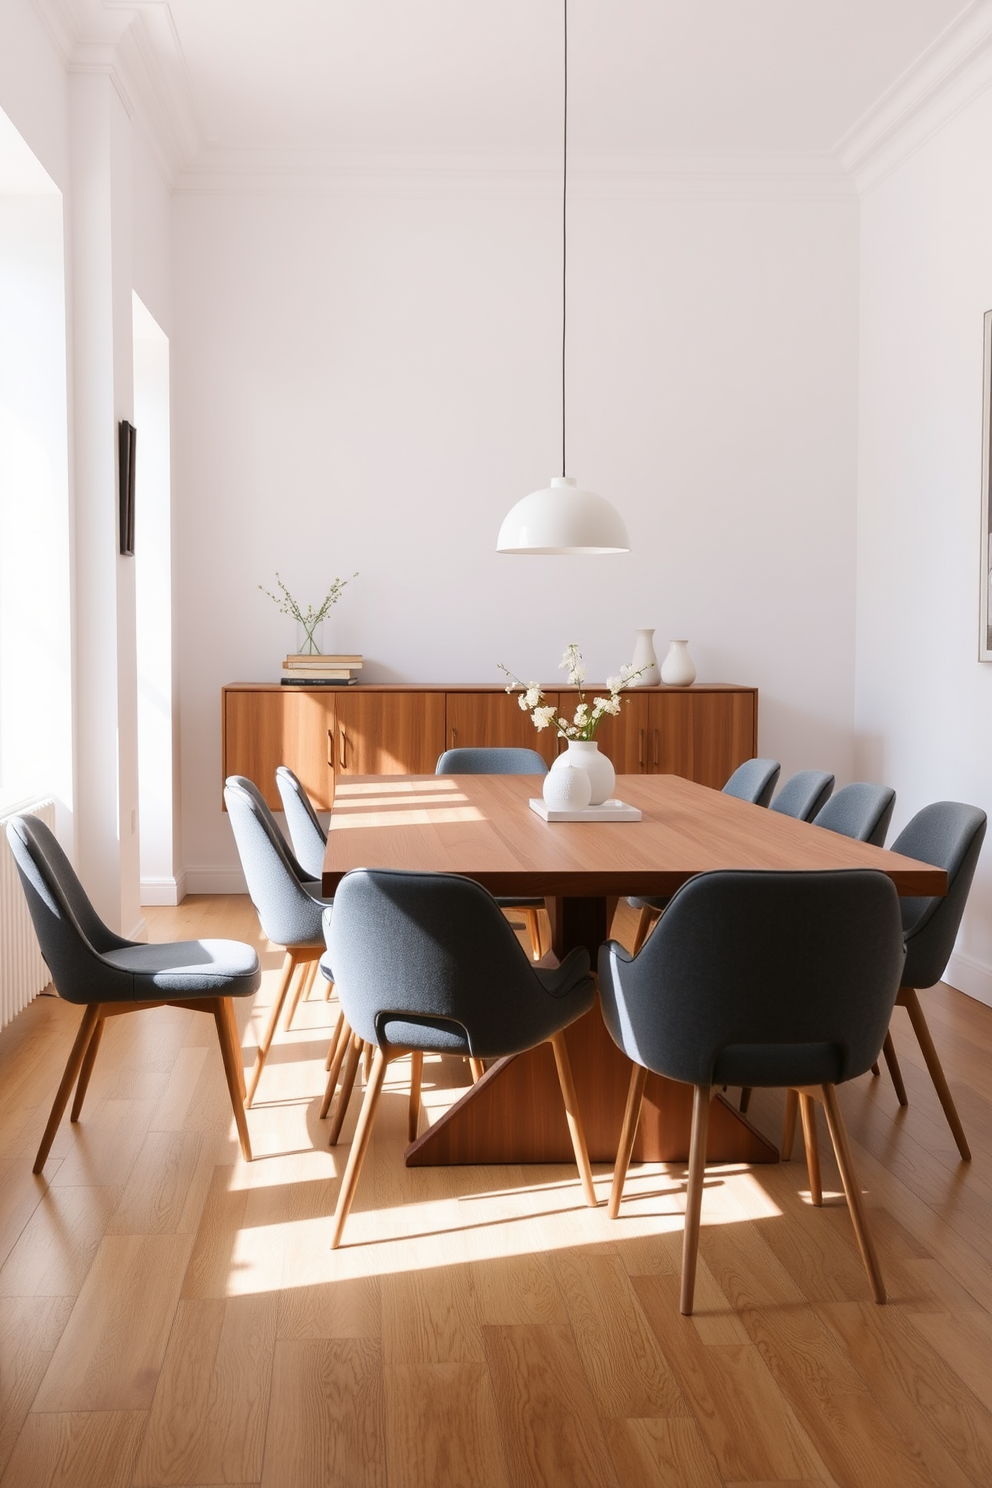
(164, 890)
(215, 881)
(971, 977)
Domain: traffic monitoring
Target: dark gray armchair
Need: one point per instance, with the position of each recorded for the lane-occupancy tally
(426, 962)
(286, 899)
(305, 831)
(763, 979)
(108, 975)
(804, 794)
(861, 811)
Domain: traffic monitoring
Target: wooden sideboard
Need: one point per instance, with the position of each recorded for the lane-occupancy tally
(702, 732)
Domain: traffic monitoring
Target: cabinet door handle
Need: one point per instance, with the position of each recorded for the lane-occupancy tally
(640, 748)
(344, 745)
(330, 749)
(656, 749)
(454, 736)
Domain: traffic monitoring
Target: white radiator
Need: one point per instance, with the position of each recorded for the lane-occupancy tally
(23, 973)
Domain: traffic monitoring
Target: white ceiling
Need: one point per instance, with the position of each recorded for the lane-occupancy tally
(646, 77)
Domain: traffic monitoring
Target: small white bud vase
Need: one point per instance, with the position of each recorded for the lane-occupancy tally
(645, 660)
(583, 754)
(677, 669)
(567, 788)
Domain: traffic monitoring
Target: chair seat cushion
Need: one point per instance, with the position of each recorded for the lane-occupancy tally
(189, 968)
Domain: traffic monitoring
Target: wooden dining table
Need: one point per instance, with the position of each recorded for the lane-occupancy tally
(483, 827)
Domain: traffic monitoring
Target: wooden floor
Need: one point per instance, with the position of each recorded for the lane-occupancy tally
(172, 1315)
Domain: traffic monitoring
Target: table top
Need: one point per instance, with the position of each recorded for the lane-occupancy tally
(482, 826)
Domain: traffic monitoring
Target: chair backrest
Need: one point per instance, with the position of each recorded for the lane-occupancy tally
(754, 781)
(948, 834)
(306, 834)
(72, 937)
(285, 899)
(804, 794)
(761, 978)
(428, 960)
(860, 810)
(491, 762)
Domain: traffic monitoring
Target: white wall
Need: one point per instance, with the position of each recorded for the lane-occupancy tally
(924, 703)
(367, 379)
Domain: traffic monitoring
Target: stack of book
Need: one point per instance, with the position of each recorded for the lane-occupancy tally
(320, 671)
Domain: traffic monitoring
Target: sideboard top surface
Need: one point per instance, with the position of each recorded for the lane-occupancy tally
(476, 687)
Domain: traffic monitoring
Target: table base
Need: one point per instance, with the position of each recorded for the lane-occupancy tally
(515, 1113)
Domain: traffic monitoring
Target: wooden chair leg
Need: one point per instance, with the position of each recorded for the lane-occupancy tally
(367, 1052)
(89, 1059)
(808, 1113)
(694, 1194)
(572, 1116)
(859, 1218)
(875, 1069)
(631, 1118)
(359, 1146)
(745, 1098)
(308, 970)
(288, 966)
(416, 1074)
(328, 988)
(892, 1064)
(311, 978)
(910, 1001)
(478, 1068)
(91, 1017)
(340, 1044)
(332, 1047)
(230, 1048)
(645, 920)
(789, 1124)
(532, 918)
(348, 1072)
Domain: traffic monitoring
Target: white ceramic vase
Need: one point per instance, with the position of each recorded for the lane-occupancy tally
(583, 754)
(568, 788)
(677, 669)
(645, 660)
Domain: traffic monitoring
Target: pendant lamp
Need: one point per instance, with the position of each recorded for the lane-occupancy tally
(563, 518)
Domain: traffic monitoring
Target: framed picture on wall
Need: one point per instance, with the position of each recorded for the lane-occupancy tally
(985, 599)
(126, 442)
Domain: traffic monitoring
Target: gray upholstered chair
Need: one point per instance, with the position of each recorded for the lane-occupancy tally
(287, 900)
(804, 794)
(109, 975)
(305, 831)
(765, 979)
(861, 811)
(948, 834)
(426, 962)
(497, 761)
(752, 781)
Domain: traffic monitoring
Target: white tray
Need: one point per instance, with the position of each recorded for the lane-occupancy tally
(606, 811)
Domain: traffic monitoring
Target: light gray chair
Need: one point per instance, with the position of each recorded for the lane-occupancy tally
(804, 794)
(948, 834)
(497, 761)
(108, 975)
(765, 979)
(305, 831)
(287, 900)
(752, 781)
(861, 811)
(426, 962)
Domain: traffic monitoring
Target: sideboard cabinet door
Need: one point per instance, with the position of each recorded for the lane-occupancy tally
(387, 733)
(495, 720)
(702, 735)
(287, 726)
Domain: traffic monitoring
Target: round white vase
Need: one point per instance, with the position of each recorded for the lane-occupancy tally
(645, 660)
(568, 788)
(583, 754)
(677, 669)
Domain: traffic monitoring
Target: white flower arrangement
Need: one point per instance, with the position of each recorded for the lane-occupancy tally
(585, 720)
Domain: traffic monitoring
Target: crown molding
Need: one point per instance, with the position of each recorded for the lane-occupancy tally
(948, 76)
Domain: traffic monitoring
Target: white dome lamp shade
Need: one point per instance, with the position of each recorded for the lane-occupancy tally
(565, 519)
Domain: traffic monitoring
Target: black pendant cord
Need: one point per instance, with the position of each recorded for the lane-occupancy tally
(564, 236)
